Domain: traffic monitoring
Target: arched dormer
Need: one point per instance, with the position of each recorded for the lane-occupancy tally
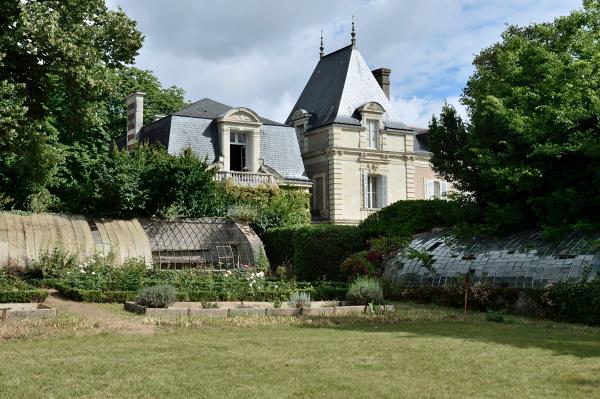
(240, 115)
(239, 140)
(300, 119)
(371, 107)
(371, 114)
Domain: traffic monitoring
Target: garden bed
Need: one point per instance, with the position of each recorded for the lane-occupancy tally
(26, 311)
(231, 309)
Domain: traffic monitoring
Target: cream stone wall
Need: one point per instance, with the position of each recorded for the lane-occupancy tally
(339, 154)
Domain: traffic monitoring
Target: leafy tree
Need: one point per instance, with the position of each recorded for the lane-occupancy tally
(531, 151)
(57, 55)
(158, 100)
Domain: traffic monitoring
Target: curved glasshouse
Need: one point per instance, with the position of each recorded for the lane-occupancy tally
(209, 243)
(522, 260)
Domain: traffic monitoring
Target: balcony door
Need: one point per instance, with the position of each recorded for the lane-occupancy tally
(237, 152)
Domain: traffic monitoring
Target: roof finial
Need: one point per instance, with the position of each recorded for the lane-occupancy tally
(353, 34)
(321, 54)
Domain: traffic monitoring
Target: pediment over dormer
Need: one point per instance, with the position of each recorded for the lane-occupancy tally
(371, 107)
(240, 115)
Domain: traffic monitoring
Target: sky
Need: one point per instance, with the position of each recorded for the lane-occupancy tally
(260, 54)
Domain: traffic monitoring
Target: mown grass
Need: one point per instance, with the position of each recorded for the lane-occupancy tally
(417, 352)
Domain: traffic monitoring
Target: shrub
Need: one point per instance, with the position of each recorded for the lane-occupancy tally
(405, 218)
(299, 300)
(358, 265)
(157, 296)
(365, 290)
(24, 296)
(495, 316)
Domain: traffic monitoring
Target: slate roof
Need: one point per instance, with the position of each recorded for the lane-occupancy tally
(211, 109)
(186, 128)
(341, 82)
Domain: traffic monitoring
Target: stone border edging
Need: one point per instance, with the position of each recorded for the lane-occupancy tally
(232, 312)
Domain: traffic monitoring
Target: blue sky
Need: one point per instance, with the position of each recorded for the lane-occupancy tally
(260, 53)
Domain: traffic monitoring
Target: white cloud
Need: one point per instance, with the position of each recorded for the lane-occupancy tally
(260, 54)
(417, 111)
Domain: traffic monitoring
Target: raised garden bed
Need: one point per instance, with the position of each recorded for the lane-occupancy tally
(26, 311)
(231, 309)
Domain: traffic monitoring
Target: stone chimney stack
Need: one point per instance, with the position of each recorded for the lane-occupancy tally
(382, 76)
(135, 116)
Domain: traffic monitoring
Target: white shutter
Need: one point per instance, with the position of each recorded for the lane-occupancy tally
(365, 188)
(383, 194)
(429, 189)
(443, 188)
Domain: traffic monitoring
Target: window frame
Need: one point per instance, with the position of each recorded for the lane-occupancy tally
(373, 134)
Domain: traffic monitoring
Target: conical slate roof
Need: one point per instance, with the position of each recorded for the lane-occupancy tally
(342, 82)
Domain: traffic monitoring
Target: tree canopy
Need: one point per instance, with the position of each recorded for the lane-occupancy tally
(64, 73)
(530, 152)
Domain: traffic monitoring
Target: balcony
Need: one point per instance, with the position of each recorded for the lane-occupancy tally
(247, 178)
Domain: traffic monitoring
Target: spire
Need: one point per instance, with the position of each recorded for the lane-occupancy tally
(353, 34)
(321, 54)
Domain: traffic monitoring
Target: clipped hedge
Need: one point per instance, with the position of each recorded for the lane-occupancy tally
(405, 218)
(96, 296)
(23, 296)
(315, 251)
(320, 291)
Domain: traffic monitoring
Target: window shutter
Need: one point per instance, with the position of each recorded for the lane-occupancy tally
(429, 189)
(443, 188)
(365, 189)
(383, 195)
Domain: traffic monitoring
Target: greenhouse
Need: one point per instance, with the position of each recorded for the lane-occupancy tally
(522, 260)
(209, 243)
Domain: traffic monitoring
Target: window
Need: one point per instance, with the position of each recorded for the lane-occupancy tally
(373, 133)
(319, 195)
(435, 189)
(300, 135)
(237, 138)
(237, 152)
(374, 191)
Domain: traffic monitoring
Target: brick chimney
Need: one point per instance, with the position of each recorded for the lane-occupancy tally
(135, 116)
(382, 76)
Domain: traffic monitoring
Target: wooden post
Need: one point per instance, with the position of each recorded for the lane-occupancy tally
(466, 293)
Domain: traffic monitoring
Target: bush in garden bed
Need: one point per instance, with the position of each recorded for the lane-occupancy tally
(23, 296)
(156, 296)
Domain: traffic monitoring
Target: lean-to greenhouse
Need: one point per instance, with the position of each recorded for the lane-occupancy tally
(522, 260)
(209, 243)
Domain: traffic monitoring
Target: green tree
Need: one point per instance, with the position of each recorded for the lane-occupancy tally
(531, 151)
(158, 100)
(58, 55)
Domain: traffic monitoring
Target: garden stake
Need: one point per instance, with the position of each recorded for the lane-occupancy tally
(466, 294)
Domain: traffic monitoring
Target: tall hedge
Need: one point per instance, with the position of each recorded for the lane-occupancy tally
(405, 218)
(315, 251)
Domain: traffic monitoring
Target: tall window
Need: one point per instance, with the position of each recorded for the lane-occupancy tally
(300, 136)
(237, 151)
(373, 133)
(374, 191)
(435, 189)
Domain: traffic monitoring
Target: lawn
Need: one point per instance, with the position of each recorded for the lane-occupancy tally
(420, 352)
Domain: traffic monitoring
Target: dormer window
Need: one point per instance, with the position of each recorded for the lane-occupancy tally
(237, 152)
(373, 133)
(300, 136)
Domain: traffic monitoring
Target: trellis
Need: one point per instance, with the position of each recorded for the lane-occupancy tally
(208, 243)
